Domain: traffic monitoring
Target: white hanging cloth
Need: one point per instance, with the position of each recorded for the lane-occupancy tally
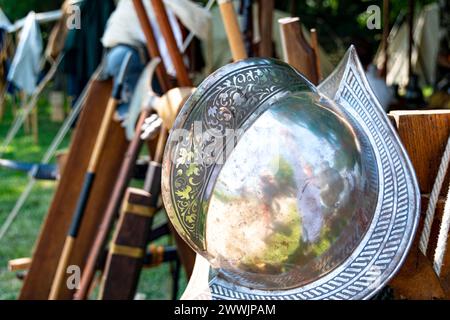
(26, 64)
(194, 17)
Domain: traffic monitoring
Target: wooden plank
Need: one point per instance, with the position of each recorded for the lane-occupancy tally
(296, 50)
(434, 233)
(424, 135)
(48, 248)
(416, 279)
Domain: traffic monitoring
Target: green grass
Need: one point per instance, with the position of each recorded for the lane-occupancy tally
(155, 283)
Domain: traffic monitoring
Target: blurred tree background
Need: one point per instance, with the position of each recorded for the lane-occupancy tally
(338, 22)
(17, 9)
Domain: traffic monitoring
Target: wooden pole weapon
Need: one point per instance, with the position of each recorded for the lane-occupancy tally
(187, 256)
(125, 252)
(174, 52)
(88, 182)
(116, 197)
(124, 175)
(127, 165)
(265, 25)
(246, 11)
(232, 29)
(316, 50)
(152, 46)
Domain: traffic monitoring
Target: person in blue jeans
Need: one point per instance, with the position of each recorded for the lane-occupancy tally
(123, 34)
(113, 61)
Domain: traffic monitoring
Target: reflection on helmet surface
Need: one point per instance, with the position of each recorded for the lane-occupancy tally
(288, 204)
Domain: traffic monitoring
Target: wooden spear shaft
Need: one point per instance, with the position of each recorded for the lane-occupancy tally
(316, 50)
(87, 185)
(113, 207)
(126, 253)
(232, 29)
(171, 43)
(266, 8)
(247, 12)
(152, 45)
(127, 165)
(153, 182)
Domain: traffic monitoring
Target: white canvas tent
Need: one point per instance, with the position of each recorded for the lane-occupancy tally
(425, 51)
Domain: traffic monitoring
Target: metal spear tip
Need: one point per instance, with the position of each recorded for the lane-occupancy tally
(123, 68)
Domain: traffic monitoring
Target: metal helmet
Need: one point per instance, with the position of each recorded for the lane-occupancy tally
(288, 190)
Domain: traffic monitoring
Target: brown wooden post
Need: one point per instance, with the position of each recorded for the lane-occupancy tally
(174, 52)
(266, 25)
(316, 50)
(152, 46)
(232, 29)
(296, 50)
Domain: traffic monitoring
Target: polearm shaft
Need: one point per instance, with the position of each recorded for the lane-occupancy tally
(247, 12)
(232, 29)
(152, 190)
(266, 8)
(126, 253)
(123, 180)
(152, 45)
(187, 256)
(125, 170)
(87, 185)
(316, 50)
(171, 43)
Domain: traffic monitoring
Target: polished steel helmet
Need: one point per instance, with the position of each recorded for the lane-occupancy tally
(290, 191)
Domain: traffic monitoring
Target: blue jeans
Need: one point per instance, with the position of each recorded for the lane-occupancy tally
(114, 58)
